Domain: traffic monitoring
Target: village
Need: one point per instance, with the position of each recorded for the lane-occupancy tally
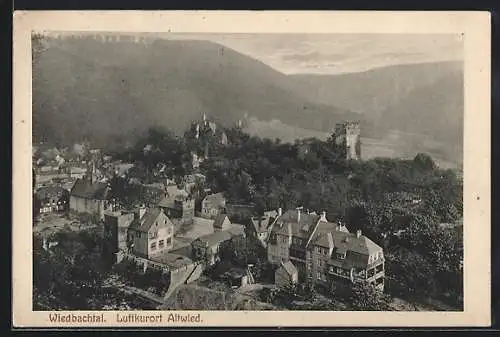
(199, 241)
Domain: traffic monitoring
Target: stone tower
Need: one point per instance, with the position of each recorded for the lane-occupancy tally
(348, 135)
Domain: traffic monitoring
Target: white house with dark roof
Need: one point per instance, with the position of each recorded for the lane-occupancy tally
(150, 233)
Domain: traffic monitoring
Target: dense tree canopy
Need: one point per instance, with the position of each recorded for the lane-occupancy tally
(381, 196)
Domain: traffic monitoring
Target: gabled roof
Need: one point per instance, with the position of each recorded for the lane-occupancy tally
(261, 223)
(219, 220)
(145, 223)
(84, 189)
(361, 245)
(289, 223)
(217, 199)
(289, 268)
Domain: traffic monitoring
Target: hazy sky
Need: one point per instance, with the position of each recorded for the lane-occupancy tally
(338, 53)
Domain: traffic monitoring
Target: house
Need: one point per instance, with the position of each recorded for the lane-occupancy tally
(150, 233)
(177, 204)
(343, 258)
(259, 227)
(207, 247)
(87, 196)
(288, 239)
(52, 199)
(286, 274)
(324, 252)
(212, 205)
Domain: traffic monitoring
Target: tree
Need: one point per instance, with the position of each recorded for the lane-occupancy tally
(366, 297)
(424, 162)
(412, 272)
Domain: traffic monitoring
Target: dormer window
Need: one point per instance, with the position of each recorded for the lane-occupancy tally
(341, 256)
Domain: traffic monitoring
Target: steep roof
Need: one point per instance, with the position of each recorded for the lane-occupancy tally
(289, 268)
(361, 245)
(261, 223)
(290, 223)
(84, 189)
(216, 199)
(357, 250)
(219, 220)
(145, 223)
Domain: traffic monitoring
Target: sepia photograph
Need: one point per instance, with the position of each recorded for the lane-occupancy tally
(182, 172)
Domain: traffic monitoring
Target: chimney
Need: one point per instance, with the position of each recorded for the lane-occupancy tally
(323, 216)
(298, 214)
(358, 233)
(280, 211)
(142, 211)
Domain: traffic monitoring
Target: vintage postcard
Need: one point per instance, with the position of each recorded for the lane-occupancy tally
(251, 169)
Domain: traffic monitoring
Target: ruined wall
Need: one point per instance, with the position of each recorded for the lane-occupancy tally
(348, 135)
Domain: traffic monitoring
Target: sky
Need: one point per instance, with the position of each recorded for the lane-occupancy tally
(338, 53)
(333, 53)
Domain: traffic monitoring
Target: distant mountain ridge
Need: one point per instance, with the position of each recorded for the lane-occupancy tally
(102, 90)
(110, 92)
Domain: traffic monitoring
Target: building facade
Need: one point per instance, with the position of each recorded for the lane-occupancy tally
(323, 252)
(207, 248)
(52, 199)
(89, 197)
(150, 233)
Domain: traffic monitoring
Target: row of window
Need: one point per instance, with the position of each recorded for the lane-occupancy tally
(161, 244)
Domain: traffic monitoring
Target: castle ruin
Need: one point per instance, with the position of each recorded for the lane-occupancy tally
(348, 136)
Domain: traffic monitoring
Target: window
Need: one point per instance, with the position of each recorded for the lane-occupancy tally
(318, 275)
(169, 241)
(161, 244)
(153, 246)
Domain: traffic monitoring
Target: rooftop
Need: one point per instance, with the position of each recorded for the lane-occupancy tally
(85, 189)
(291, 223)
(261, 223)
(225, 235)
(289, 268)
(145, 223)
